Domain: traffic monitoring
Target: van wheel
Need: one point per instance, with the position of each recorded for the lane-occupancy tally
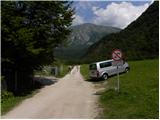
(105, 76)
(127, 70)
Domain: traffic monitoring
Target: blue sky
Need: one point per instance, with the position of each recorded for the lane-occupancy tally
(109, 13)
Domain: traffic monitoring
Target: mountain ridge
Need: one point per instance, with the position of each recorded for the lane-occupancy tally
(83, 33)
(81, 37)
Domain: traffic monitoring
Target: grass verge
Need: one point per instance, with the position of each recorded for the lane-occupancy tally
(63, 71)
(138, 96)
(9, 101)
(85, 71)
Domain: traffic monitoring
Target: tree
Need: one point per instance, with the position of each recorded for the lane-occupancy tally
(30, 31)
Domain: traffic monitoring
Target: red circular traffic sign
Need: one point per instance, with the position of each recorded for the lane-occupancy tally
(117, 55)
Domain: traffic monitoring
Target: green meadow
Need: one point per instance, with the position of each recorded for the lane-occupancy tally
(139, 92)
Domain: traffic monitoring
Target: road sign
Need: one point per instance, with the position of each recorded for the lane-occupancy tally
(117, 61)
(117, 55)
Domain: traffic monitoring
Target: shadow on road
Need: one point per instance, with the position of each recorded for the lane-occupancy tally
(43, 81)
(39, 82)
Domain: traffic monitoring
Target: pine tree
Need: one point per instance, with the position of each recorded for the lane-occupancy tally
(30, 31)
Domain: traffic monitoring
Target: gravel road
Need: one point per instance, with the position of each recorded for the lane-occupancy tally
(70, 97)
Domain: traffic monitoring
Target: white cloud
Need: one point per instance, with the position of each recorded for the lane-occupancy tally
(77, 20)
(118, 15)
(94, 8)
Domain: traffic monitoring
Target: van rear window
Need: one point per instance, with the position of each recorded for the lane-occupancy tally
(93, 67)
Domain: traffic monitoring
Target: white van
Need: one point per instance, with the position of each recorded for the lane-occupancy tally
(103, 69)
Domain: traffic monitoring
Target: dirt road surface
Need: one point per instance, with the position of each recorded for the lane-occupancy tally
(70, 97)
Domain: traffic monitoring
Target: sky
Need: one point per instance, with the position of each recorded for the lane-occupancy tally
(109, 13)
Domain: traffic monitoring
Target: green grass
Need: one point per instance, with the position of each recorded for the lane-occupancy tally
(138, 96)
(85, 71)
(63, 71)
(9, 104)
(9, 101)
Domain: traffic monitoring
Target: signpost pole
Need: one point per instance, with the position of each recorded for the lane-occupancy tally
(117, 80)
(117, 57)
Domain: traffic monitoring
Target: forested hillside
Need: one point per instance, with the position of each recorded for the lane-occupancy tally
(138, 41)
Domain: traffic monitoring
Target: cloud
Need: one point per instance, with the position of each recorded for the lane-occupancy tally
(118, 14)
(78, 20)
(94, 8)
(83, 11)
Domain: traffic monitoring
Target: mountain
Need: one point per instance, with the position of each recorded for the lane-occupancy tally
(87, 34)
(82, 37)
(140, 40)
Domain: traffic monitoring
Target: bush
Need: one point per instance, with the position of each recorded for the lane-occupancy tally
(6, 95)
